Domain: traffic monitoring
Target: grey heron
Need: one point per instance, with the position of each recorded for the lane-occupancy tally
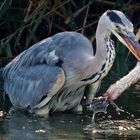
(56, 73)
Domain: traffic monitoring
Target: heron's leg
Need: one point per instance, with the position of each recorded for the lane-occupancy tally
(90, 93)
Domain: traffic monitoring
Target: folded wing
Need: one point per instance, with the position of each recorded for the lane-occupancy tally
(34, 75)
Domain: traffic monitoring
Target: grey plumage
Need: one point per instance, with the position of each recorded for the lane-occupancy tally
(34, 73)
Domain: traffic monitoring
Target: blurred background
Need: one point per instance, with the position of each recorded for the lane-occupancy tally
(25, 22)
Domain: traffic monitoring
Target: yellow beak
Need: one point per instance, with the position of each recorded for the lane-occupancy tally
(132, 44)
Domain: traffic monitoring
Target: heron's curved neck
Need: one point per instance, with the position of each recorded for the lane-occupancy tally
(101, 48)
(105, 51)
(104, 57)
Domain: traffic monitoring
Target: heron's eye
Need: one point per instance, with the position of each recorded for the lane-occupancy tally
(117, 27)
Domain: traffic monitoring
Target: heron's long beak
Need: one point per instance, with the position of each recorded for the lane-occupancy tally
(132, 44)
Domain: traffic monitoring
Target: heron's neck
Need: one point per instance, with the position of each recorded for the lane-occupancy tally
(104, 46)
(104, 57)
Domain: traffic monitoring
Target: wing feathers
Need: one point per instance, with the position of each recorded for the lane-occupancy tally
(29, 85)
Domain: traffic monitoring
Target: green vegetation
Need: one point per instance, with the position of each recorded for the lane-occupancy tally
(25, 22)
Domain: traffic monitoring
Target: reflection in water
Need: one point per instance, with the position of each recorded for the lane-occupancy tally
(59, 126)
(68, 126)
(20, 127)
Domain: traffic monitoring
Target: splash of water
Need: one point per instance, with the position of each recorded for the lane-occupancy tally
(116, 107)
(100, 104)
(110, 127)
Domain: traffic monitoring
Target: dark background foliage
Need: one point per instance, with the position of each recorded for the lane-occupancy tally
(25, 22)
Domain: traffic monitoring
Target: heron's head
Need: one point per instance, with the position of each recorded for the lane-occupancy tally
(122, 28)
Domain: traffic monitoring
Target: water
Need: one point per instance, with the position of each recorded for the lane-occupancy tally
(72, 126)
